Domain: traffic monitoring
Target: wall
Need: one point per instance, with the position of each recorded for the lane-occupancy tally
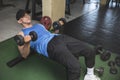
(103, 2)
(53, 8)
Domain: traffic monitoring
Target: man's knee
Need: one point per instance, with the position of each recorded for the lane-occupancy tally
(75, 68)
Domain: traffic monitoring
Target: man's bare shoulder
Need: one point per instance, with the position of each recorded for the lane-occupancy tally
(21, 33)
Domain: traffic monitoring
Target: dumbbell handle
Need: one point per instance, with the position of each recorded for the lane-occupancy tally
(100, 71)
(101, 52)
(97, 69)
(61, 23)
(33, 35)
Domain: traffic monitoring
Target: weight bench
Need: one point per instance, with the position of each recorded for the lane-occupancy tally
(19, 59)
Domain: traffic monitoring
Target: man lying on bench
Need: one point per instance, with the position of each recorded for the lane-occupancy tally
(58, 47)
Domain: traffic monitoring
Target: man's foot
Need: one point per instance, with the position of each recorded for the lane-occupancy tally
(91, 77)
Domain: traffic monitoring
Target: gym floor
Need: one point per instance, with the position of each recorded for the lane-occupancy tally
(37, 67)
(99, 27)
(90, 23)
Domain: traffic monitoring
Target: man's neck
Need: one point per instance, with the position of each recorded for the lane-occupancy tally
(27, 25)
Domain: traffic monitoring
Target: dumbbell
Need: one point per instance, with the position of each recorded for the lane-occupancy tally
(104, 55)
(117, 61)
(57, 24)
(20, 39)
(46, 21)
(113, 69)
(99, 71)
(62, 21)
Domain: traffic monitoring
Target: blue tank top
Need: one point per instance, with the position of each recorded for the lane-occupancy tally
(44, 36)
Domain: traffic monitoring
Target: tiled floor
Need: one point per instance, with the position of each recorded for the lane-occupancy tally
(78, 8)
(99, 27)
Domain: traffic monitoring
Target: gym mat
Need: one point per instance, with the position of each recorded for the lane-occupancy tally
(38, 67)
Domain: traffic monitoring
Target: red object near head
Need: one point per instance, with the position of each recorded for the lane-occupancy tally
(46, 21)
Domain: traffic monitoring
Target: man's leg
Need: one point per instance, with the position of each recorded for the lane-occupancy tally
(80, 48)
(58, 52)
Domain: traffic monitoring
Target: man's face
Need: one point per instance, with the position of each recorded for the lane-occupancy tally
(26, 19)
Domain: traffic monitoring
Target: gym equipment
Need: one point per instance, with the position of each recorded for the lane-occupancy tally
(15, 61)
(33, 35)
(99, 71)
(46, 21)
(20, 39)
(19, 59)
(57, 24)
(98, 49)
(63, 20)
(113, 69)
(104, 55)
(117, 61)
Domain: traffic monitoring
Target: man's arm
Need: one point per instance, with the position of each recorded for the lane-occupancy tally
(25, 49)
